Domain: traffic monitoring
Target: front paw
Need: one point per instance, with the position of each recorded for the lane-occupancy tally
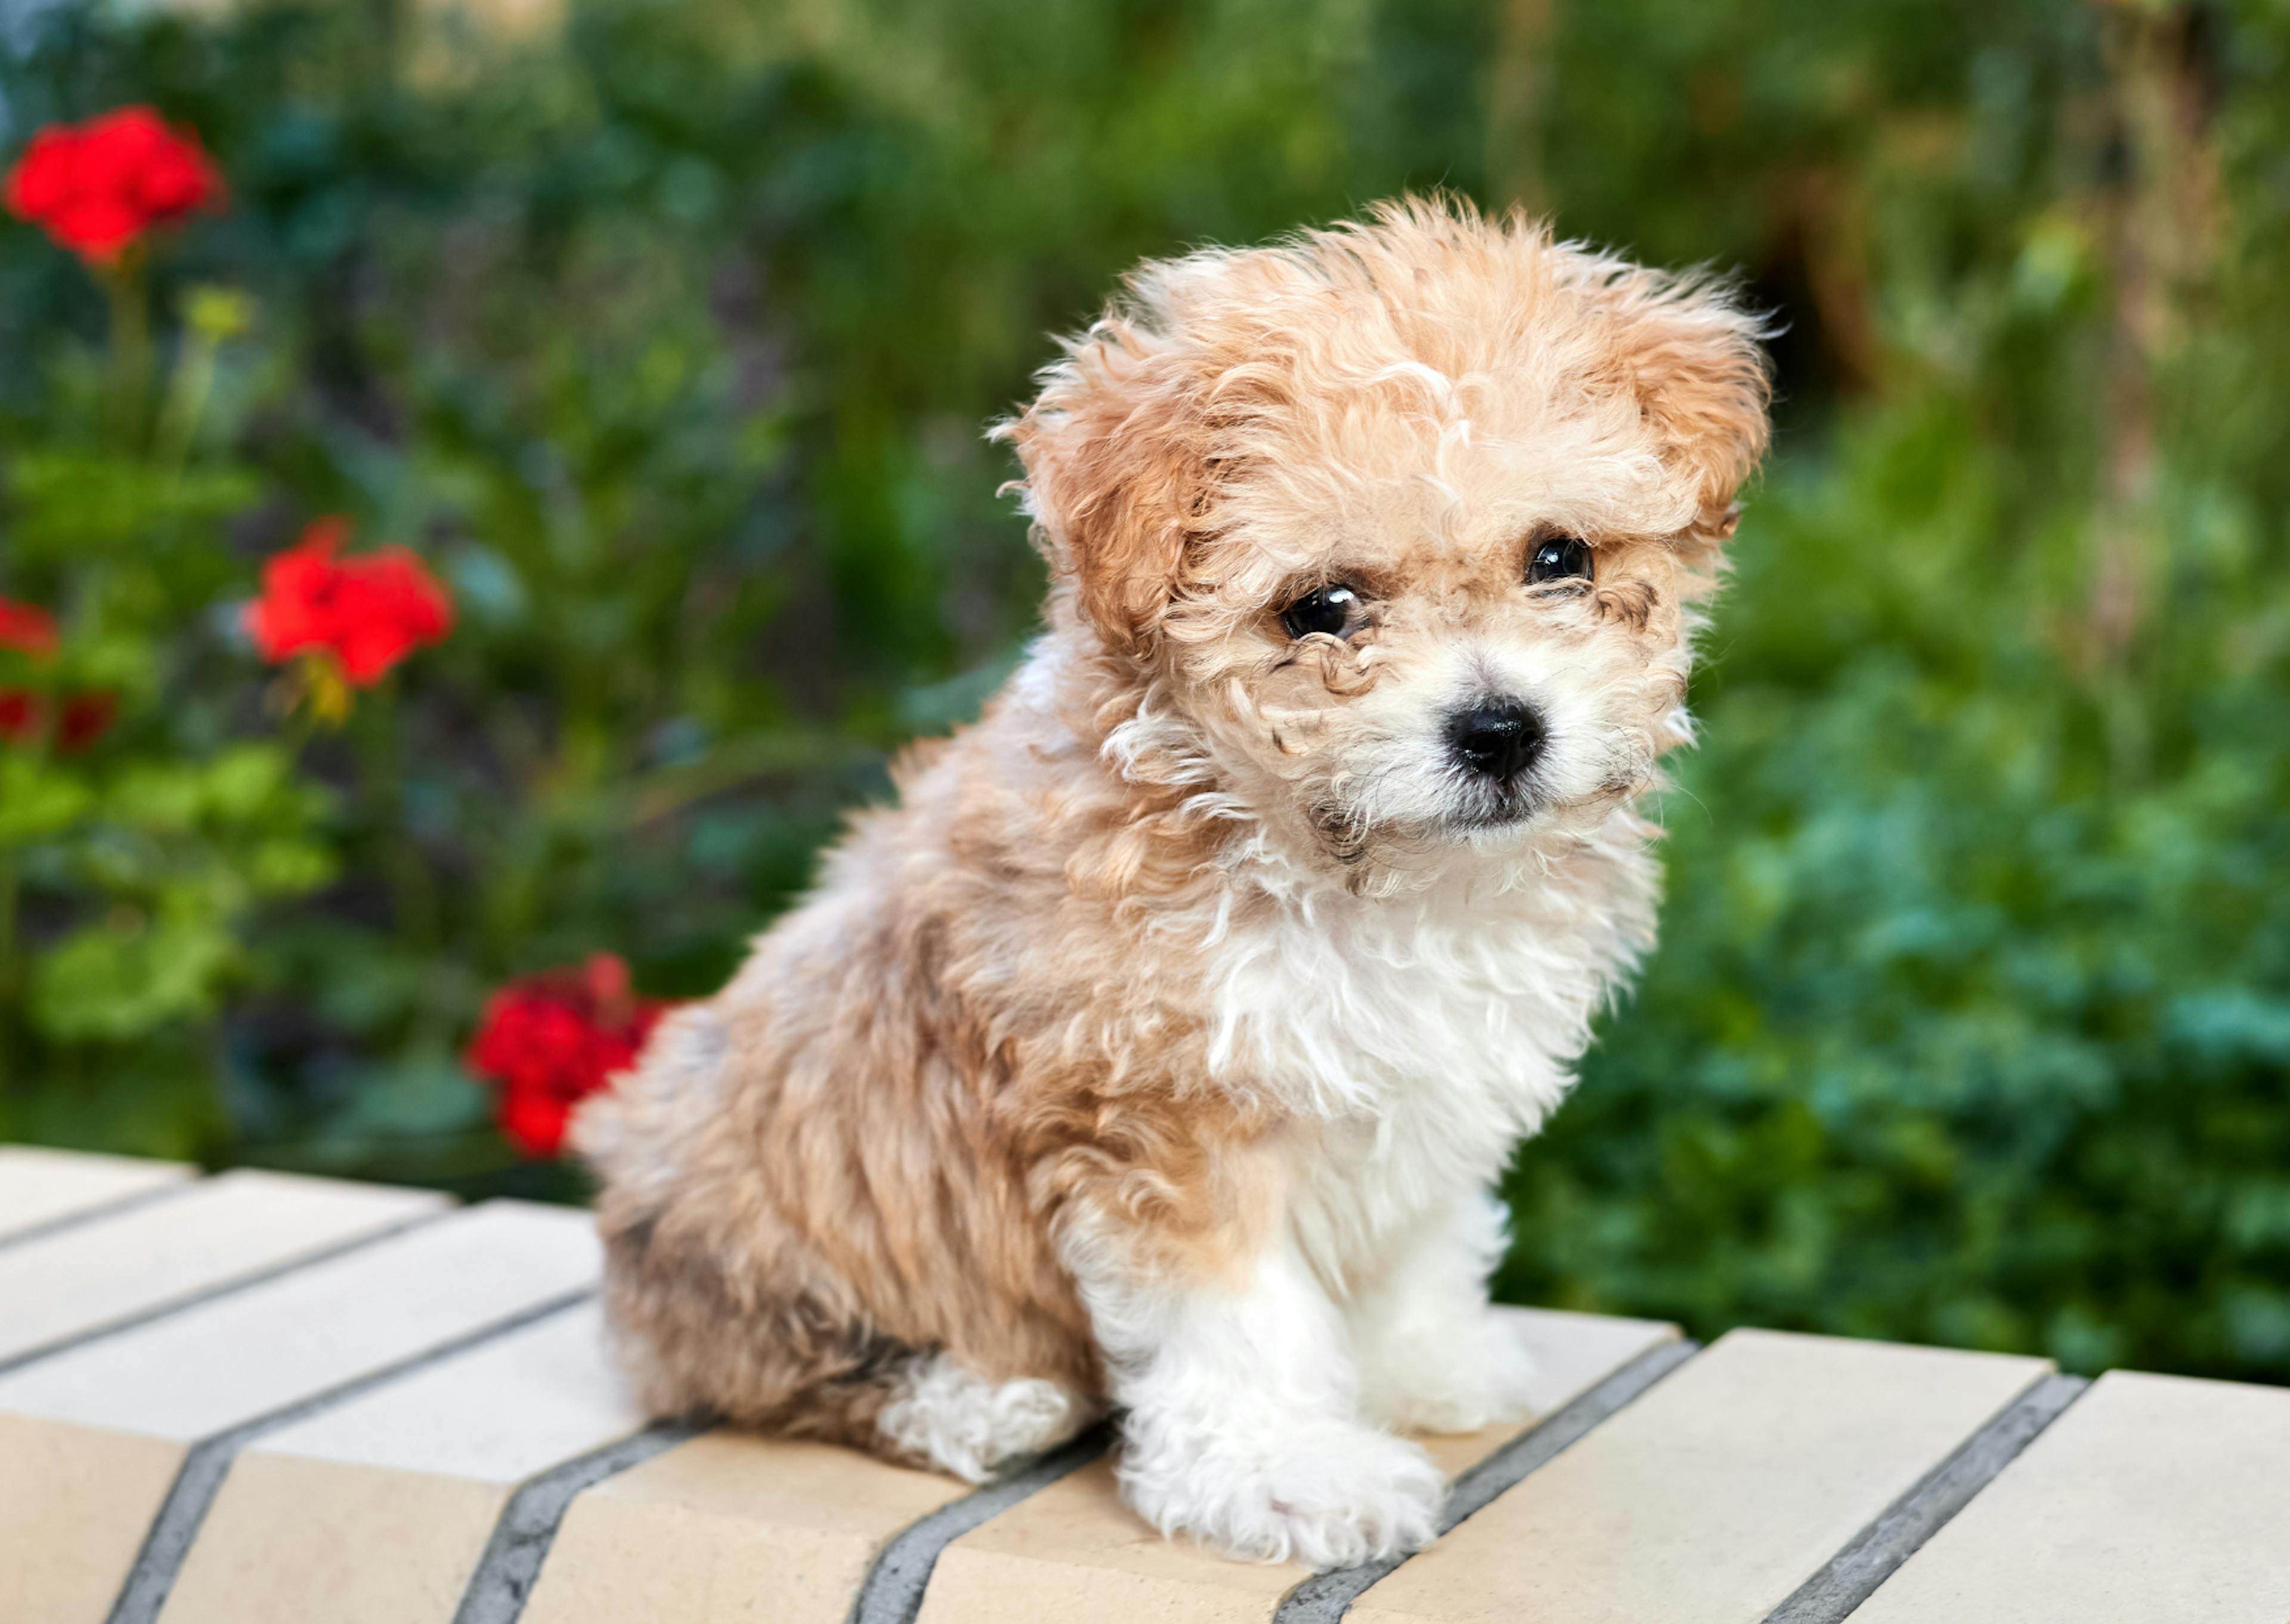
(1458, 1380)
(1326, 1494)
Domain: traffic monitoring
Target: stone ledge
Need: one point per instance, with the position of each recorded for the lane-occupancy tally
(258, 1399)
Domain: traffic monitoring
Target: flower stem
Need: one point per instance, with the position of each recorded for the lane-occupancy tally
(131, 339)
(186, 399)
(413, 889)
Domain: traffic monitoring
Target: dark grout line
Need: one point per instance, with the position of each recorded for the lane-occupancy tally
(221, 1288)
(209, 1461)
(893, 1593)
(101, 1209)
(1325, 1597)
(1853, 1575)
(505, 1574)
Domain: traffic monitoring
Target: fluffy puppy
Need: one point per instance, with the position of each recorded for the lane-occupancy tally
(1157, 1050)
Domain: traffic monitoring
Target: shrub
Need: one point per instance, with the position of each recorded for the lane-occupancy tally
(662, 342)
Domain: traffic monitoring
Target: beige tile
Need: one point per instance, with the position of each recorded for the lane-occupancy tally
(731, 1527)
(376, 1512)
(238, 1224)
(2156, 1500)
(88, 1424)
(293, 1541)
(1076, 1550)
(1713, 1496)
(38, 1186)
(74, 1504)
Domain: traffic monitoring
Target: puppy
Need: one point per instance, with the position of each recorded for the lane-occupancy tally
(1157, 1051)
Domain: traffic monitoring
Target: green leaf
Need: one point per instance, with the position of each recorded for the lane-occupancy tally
(130, 975)
(38, 799)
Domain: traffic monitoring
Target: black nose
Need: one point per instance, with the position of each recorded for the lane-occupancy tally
(1501, 740)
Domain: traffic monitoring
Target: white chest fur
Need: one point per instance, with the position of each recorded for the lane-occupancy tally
(1420, 1036)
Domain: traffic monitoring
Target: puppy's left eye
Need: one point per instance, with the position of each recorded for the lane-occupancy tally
(1560, 558)
(1332, 610)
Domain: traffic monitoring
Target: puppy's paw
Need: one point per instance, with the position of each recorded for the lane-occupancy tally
(968, 1426)
(1328, 1495)
(1422, 1379)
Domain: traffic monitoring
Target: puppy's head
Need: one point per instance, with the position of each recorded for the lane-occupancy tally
(1407, 519)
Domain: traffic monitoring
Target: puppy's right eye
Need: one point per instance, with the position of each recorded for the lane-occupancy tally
(1560, 558)
(1332, 610)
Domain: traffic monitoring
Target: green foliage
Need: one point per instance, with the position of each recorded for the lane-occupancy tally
(131, 871)
(667, 336)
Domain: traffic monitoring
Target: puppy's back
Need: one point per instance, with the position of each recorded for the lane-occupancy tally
(809, 1186)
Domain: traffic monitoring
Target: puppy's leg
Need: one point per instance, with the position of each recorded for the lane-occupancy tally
(1433, 1357)
(725, 1302)
(1242, 1425)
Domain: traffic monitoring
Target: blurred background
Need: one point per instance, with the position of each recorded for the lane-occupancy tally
(664, 334)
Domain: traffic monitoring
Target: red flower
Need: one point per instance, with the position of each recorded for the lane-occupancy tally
(27, 628)
(86, 718)
(366, 613)
(549, 1041)
(22, 715)
(97, 187)
(83, 719)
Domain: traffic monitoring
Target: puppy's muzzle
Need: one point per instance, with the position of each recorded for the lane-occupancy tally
(1498, 740)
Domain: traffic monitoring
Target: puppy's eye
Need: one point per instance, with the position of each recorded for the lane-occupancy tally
(1332, 610)
(1560, 558)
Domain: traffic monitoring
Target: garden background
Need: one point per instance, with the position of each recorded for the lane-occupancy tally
(664, 335)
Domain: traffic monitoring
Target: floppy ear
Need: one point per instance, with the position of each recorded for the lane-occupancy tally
(1696, 361)
(1117, 473)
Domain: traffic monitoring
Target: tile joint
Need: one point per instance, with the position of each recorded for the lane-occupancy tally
(1325, 1597)
(101, 1209)
(1854, 1574)
(234, 1283)
(892, 1592)
(504, 1577)
(189, 1499)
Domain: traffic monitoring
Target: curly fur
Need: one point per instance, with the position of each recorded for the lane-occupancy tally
(1156, 1050)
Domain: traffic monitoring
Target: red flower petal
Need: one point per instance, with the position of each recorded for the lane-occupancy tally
(22, 715)
(86, 718)
(28, 627)
(534, 1124)
(41, 180)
